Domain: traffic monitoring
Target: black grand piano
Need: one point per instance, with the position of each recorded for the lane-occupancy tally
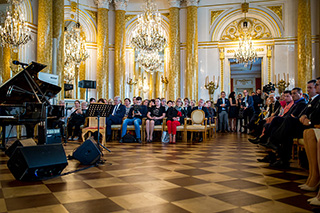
(24, 100)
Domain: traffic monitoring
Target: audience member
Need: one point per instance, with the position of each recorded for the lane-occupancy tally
(247, 105)
(77, 118)
(127, 103)
(118, 112)
(223, 105)
(175, 117)
(233, 111)
(154, 117)
(187, 107)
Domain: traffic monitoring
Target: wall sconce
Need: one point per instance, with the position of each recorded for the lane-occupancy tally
(211, 86)
(131, 82)
(282, 84)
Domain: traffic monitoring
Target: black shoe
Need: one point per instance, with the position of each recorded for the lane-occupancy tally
(121, 140)
(138, 140)
(108, 139)
(254, 140)
(269, 145)
(280, 164)
(201, 139)
(270, 158)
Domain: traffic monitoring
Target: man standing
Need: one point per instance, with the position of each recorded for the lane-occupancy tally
(118, 112)
(223, 105)
(136, 113)
(247, 106)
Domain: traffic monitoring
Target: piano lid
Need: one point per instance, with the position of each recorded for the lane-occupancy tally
(17, 90)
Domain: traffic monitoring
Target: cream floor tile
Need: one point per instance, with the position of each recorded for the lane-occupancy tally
(272, 193)
(218, 169)
(176, 167)
(273, 206)
(168, 175)
(6, 177)
(3, 207)
(262, 171)
(78, 195)
(138, 200)
(204, 204)
(25, 191)
(43, 209)
(265, 180)
(184, 161)
(155, 185)
(215, 177)
(90, 170)
(3, 166)
(124, 172)
(210, 188)
(103, 182)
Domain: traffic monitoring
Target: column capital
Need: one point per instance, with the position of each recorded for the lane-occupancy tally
(192, 2)
(174, 3)
(102, 3)
(120, 4)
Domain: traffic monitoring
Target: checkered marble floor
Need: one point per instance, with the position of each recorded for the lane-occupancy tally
(222, 175)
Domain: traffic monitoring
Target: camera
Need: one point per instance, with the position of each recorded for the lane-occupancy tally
(267, 88)
(136, 108)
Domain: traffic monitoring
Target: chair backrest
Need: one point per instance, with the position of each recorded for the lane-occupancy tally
(93, 122)
(197, 116)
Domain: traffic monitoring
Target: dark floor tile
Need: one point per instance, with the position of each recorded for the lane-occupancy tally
(240, 166)
(112, 191)
(14, 183)
(239, 198)
(138, 178)
(176, 194)
(151, 169)
(201, 159)
(240, 184)
(96, 206)
(107, 167)
(237, 210)
(288, 176)
(168, 207)
(199, 165)
(67, 186)
(95, 175)
(31, 201)
(290, 186)
(239, 174)
(298, 201)
(186, 181)
(193, 172)
(1, 194)
(5, 171)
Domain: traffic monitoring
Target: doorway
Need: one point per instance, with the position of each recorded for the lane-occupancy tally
(245, 77)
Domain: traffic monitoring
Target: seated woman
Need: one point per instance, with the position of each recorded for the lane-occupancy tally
(154, 117)
(77, 118)
(175, 117)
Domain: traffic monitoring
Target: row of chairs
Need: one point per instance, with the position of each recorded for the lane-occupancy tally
(197, 123)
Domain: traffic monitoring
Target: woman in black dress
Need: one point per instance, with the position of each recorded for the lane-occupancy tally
(175, 117)
(154, 117)
(233, 111)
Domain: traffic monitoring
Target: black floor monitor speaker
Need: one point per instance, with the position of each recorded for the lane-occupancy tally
(24, 142)
(68, 87)
(53, 136)
(88, 153)
(32, 163)
(87, 84)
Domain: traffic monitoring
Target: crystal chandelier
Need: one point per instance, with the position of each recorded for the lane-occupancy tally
(150, 61)
(75, 49)
(245, 54)
(149, 34)
(14, 33)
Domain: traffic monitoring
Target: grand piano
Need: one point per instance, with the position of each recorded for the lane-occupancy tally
(24, 100)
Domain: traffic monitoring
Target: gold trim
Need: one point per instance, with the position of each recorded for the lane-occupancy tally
(277, 10)
(215, 14)
(93, 14)
(129, 17)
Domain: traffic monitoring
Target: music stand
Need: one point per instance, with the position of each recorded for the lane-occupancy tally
(99, 110)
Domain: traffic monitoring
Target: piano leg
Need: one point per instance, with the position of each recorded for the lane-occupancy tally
(3, 145)
(30, 130)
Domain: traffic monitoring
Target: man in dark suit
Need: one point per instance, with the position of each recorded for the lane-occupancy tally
(201, 107)
(116, 117)
(247, 105)
(223, 105)
(293, 126)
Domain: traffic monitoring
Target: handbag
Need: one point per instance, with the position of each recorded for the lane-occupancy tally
(128, 138)
(165, 137)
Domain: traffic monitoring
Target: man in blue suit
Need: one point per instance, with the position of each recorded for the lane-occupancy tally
(223, 105)
(247, 105)
(116, 117)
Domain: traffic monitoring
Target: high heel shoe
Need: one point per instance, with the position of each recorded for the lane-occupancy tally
(310, 188)
(311, 199)
(315, 202)
(302, 185)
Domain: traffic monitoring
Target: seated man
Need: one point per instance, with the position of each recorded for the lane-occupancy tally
(136, 113)
(118, 112)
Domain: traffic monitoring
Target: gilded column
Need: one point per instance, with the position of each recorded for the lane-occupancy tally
(58, 34)
(44, 38)
(304, 44)
(192, 50)
(269, 56)
(221, 57)
(103, 49)
(6, 71)
(157, 85)
(120, 48)
(174, 48)
(82, 76)
(76, 82)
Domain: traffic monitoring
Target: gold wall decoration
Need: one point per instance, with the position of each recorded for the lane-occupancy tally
(82, 76)
(165, 14)
(256, 30)
(269, 56)
(129, 17)
(221, 57)
(304, 43)
(277, 10)
(73, 5)
(93, 14)
(215, 14)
